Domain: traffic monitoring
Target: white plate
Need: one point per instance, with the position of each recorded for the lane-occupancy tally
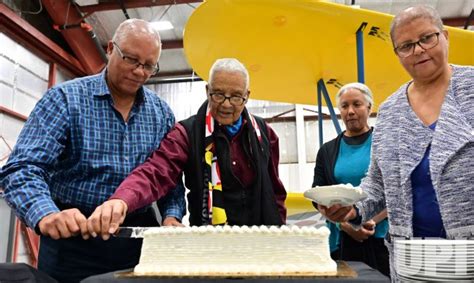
(438, 252)
(439, 262)
(435, 242)
(424, 266)
(434, 277)
(344, 195)
(431, 249)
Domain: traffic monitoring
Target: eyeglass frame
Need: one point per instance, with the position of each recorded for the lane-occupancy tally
(418, 42)
(213, 94)
(135, 62)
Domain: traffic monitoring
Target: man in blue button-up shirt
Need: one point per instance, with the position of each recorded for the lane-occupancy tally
(81, 140)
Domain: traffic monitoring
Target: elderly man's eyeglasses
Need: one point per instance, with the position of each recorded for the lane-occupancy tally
(151, 69)
(426, 42)
(234, 100)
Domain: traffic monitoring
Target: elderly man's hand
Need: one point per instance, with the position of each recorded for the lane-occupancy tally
(338, 213)
(106, 218)
(64, 224)
(171, 221)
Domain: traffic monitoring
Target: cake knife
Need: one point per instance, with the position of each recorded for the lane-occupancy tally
(130, 232)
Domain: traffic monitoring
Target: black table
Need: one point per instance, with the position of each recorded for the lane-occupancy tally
(22, 273)
(365, 274)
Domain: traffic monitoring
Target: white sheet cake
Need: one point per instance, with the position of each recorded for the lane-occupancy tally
(236, 251)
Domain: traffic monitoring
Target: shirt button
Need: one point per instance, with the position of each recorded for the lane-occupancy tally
(233, 162)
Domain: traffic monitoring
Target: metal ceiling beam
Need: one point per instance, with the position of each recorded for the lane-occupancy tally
(130, 4)
(13, 114)
(166, 44)
(173, 80)
(22, 32)
(469, 19)
(174, 77)
(78, 38)
(176, 74)
(172, 44)
(455, 22)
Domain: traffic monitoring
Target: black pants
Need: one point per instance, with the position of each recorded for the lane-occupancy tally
(73, 259)
(372, 252)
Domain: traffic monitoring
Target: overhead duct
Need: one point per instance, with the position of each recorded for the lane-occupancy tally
(68, 21)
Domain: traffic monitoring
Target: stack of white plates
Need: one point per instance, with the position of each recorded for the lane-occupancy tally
(435, 260)
(343, 194)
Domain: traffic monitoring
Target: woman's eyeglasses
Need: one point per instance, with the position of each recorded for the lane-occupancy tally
(426, 42)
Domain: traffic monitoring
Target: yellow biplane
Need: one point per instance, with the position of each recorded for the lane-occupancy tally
(289, 45)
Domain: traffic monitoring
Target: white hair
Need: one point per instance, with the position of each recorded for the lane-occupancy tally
(365, 90)
(229, 65)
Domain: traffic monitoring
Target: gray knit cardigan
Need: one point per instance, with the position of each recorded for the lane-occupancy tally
(399, 142)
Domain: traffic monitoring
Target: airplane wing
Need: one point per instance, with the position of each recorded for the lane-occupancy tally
(288, 45)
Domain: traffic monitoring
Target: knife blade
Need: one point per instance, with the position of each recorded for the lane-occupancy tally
(131, 232)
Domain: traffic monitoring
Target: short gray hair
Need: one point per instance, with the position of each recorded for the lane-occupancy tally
(413, 13)
(229, 65)
(365, 90)
(135, 26)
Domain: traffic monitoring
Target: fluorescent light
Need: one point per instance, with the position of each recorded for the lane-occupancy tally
(162, 25)
(87, 2)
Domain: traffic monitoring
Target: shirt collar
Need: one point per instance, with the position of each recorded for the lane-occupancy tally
(233, 129)
(105, 91)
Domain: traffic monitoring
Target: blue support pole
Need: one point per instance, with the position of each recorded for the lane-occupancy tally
(360, 53)
(320, 116)
(323, 89)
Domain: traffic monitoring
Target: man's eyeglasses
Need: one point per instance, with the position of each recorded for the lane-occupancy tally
(426, 42)
(151, 69)
(234, 100)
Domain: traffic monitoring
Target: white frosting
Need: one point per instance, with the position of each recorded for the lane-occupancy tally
(233, 250)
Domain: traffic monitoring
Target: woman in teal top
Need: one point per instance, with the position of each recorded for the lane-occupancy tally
(344, 160)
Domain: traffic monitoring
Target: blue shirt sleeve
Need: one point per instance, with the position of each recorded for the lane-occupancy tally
(40, 143)
(173, 204)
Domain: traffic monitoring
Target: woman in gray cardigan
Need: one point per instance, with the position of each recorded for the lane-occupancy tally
(422, 163)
